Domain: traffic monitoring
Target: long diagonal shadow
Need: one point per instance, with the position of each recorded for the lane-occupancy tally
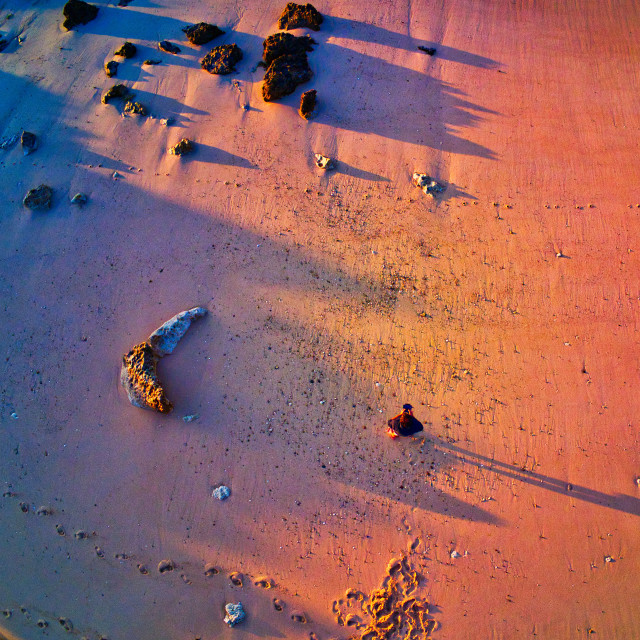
(619, 502)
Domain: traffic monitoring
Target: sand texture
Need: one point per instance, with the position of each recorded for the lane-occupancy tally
(504, 309)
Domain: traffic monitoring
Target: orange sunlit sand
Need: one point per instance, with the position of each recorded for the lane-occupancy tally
(504, 309)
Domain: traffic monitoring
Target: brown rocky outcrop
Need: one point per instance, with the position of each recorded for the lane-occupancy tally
(298, 16)
(139, 366)
(78, 12)
(222, 60)
(308, 102)
(202, 33)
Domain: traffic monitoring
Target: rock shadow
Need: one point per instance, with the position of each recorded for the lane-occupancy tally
(215, 155)
(356, 30)
(360, 174)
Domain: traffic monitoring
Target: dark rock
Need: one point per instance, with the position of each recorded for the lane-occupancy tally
(127, 50)
(151, 61)
(117, 91)
(124, 3)
(39, 198)
(298, 16)
(168, 47)
(140, 379)
(3, 44)
(284, 75)
(29, 142)
(430, 51)
(182, 148)
(135, 108)
(222, 60)
(202, 33)
(111, 68)
(78, 12)
(280, 44)
(308, 104)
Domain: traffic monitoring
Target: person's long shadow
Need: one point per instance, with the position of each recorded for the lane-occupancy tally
(619, 502)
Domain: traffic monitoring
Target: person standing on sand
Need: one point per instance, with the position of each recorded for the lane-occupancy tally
(404, 424)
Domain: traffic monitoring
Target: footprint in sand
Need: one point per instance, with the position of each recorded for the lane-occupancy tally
(264, 583)
(278, 605)
(60, 530)
(414, 545)
(352, 620)
(313, 636)
(185, 579)
(210, 570)
(166, 565)
(143, 569)
(120, 556)
(25, 612)
(299, 616)
(352, 594)
(7, 613)
(24, 507)
(236, 578)
(99, 552)
(81, 535)
(44, 511)
(42, 623)
(66, 624)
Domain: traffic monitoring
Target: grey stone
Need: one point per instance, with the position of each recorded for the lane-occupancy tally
(165, 338)
(235, 614)
(111, 68)
(79, 199)
(168, 47)
(182, 148)
(221, 492)
(29, 142)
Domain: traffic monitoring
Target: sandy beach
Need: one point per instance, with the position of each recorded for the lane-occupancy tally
(505, 310)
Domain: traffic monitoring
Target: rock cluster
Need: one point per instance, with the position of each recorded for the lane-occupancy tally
(428, 184)
(221, 492)
(298, 16)
(139, 366)
(38, 199)
(287, 65)
(182, 148)
(308, 104)
(135, 108)
(78, 12)
(202, 33)
(222, 60)
(127, 50)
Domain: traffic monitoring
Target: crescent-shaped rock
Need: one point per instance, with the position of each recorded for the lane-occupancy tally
(139, 366)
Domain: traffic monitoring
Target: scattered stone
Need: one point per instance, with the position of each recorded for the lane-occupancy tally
(79, 199)
(166, 565)
(202, 33)
(428, 184)
(138, 374)
(281, 44)
(323, 162)
(111, 68)
(235, 614)
(608, 559)
(222, 60)
(221, 492)
(308, 104)
(127, 50)
(135, 108)
(29, 142)
(168, 47)
(287, 66)
(167, 122)
(190, 418)
(151, 61)
(3, 44)
(116, 175)
(454, 554)
(39, 198)
(300, 16)
(78, 12)
(117, 91)
(182, 148)
(430, 51)
(9, 141)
